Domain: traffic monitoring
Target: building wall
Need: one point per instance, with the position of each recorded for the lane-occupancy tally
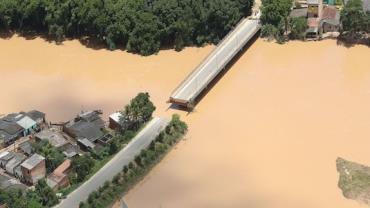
(313, 11)
(37, 173)
(329, 28)
(113, 124)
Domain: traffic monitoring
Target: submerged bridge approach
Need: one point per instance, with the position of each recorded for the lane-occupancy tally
(187, 92)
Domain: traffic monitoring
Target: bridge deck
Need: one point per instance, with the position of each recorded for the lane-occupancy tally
(213, 64)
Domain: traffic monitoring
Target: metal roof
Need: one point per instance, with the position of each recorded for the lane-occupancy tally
(116, 116)
(10, 127)
(87, 143)
(33, 161)
(26, 122)
(7, 156)
(35, 114)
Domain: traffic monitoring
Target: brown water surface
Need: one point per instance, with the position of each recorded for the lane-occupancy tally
(266, 136)
(269, 132)
(63, 80)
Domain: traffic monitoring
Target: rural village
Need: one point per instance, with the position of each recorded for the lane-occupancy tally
(93, 159)
(22, 167)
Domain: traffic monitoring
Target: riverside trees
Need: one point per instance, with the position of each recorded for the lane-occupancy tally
(274, 18)
(355, 20)
(141, 26)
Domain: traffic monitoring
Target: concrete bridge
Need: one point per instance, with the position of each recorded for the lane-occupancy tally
(187, 92)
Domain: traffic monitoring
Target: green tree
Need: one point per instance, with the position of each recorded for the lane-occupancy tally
(275, 13)
(46, 194)
(53, 157)
(298, 27)
(144, 38)
(354, 19)
(113, 146)
(139, 111)
(82, 166)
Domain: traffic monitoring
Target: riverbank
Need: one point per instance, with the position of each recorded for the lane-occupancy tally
(266, 135)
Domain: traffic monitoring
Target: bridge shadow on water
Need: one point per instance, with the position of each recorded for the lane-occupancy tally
(217, 78)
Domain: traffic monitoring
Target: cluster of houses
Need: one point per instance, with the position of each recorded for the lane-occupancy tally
(323, 16)
(20, 165)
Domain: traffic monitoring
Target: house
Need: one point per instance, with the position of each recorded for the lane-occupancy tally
(59, 177)
(37, 116)
(26, 148)
(53, 136)
(313, 28)
(330, 19)
(5, 157)
(14, 162)
(27, 124)
(314, 8)
(33, 169)
(9, 132)
(87, 125)
(114, 121)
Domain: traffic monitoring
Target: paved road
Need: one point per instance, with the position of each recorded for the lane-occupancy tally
(199, 79)
(115, 165)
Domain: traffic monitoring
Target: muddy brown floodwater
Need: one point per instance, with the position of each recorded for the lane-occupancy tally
(266, 135)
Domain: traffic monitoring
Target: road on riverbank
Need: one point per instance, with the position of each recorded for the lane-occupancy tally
(115, 165)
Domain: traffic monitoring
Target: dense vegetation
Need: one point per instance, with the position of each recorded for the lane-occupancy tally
(138, 112)
(141, 26)
(355, 21)
(42, 196)
(53, 156)
(275, 18)
(298, 27)
(137, 169)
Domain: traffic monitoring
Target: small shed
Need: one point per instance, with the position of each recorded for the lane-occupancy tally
(114, 121)
(86, 144)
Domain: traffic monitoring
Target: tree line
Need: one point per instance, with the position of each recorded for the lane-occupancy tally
(140, 26)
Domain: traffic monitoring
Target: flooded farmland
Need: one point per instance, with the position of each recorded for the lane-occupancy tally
(265, 136)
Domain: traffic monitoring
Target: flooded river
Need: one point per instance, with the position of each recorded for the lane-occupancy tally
(266, 135)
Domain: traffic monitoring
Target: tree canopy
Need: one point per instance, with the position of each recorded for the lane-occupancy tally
(139, 111)
(355, 19)
(274, 17)
(140, 26)
(53, 156)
